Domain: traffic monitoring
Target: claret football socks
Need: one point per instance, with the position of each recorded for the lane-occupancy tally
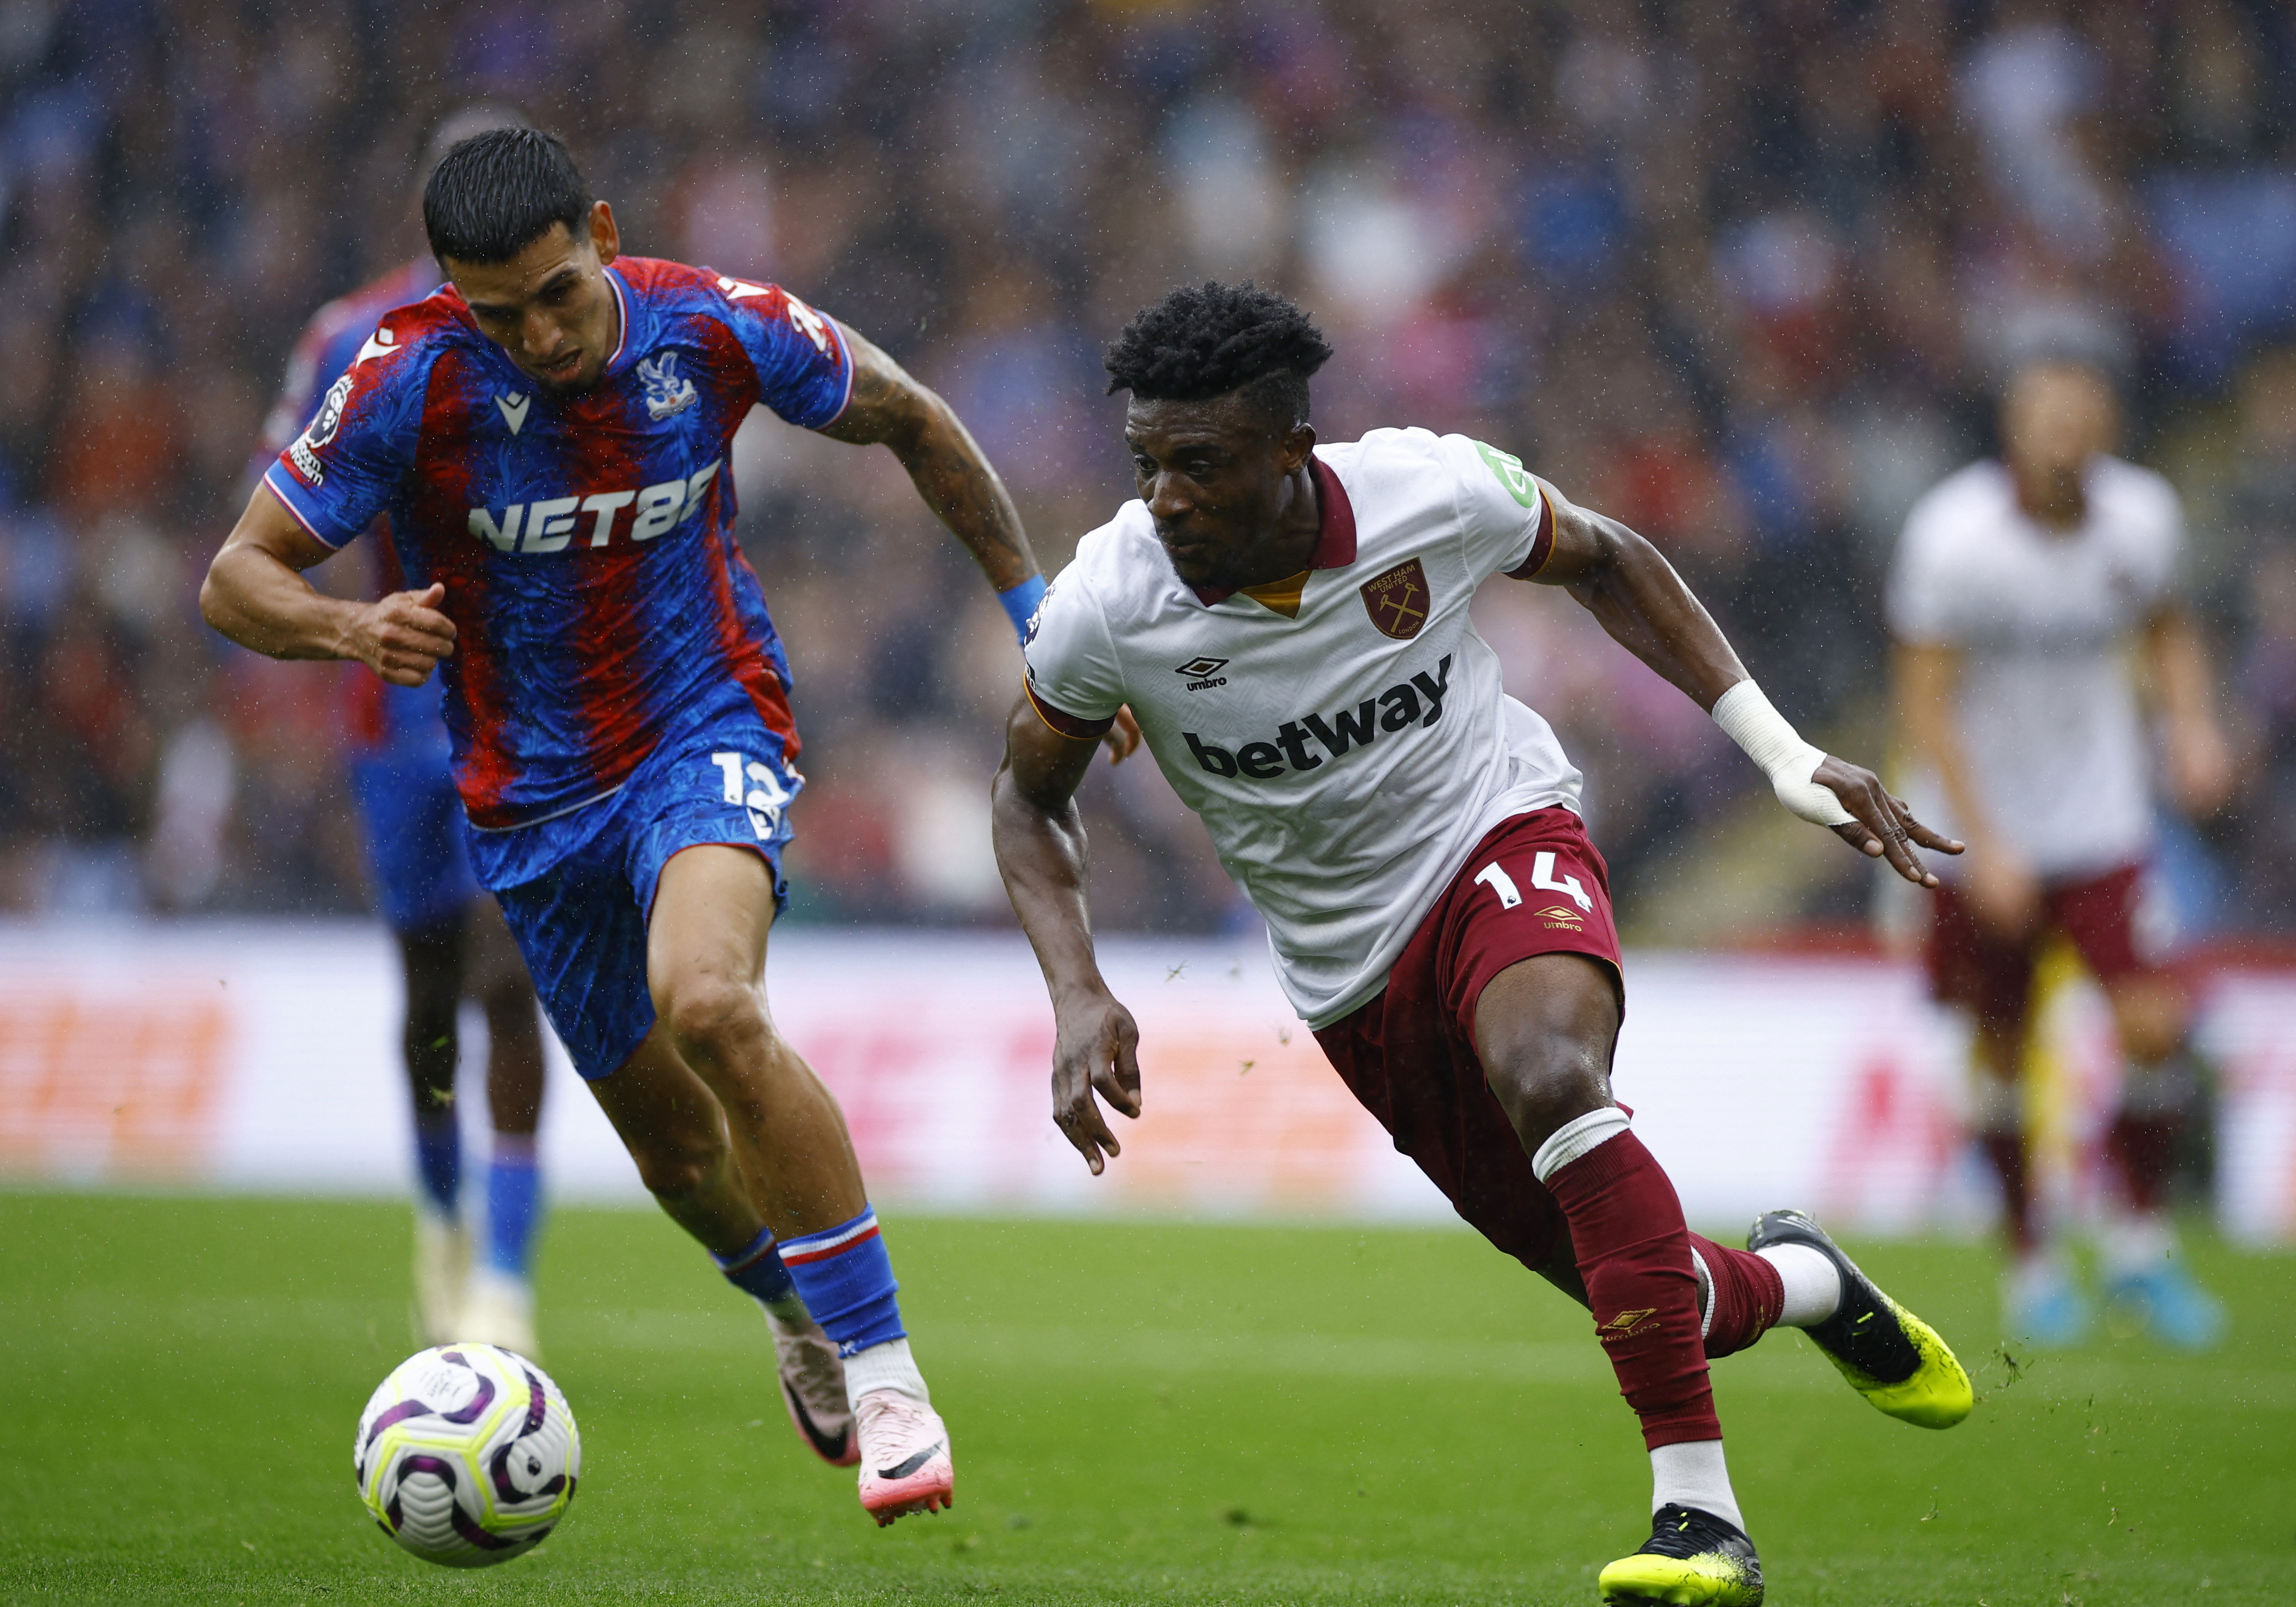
(1889, 1355)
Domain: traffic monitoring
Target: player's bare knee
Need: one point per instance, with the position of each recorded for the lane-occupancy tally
(714, 1018)
(1546, 1081)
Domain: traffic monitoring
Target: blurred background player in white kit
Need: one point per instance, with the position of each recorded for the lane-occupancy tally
(2025, 591)
(451, 938)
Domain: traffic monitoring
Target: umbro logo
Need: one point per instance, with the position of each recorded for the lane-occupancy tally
(1628, 1322)
(1202, 672)
(1555, 914)
(514, 409)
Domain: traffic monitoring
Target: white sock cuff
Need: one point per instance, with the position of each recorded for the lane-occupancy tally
(886, 1366)
(1575, 1138)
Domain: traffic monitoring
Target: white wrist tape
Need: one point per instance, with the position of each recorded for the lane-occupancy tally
(1790, 762)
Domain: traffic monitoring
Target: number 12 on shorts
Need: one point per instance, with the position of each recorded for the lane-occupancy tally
(765, 801)
(1542, 877)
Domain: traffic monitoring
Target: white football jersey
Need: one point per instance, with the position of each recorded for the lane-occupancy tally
(1345, 759)
(2043, 619)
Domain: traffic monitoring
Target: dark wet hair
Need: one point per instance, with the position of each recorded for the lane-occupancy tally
(1216, 340)
(495, 194)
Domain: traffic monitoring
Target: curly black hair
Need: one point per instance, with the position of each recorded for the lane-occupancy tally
(1213, 340)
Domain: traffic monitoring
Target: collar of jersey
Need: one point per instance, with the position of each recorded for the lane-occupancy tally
(622, 307)
(1335, 539)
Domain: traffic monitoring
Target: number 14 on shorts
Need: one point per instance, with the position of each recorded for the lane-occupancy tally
(766, 798)
(1542, 877)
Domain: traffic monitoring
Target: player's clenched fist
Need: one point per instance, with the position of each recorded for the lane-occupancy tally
(1095, 1049)
(403, 636)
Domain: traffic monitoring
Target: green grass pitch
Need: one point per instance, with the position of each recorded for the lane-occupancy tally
(1141, 1414)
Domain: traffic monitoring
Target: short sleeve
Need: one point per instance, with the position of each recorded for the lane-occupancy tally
(341, 471)
(1920, 602)
(2159, 564)
(805, 373)
(1506, 521)
(1073, 681)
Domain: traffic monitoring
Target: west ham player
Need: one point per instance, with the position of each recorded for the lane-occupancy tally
(1288, 621)
(548, 433)
(2020, 588)
(451, 938)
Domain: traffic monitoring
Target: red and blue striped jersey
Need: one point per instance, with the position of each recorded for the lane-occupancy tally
(377, 717)
(585, 541)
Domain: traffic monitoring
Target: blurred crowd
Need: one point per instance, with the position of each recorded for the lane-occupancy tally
(1739, 273)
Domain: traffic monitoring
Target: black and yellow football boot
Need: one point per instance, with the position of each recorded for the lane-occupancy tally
(1693, 1559)
(1889, 1355)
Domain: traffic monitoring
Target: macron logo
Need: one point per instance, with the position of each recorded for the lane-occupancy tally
(514, 409)
(380, 344)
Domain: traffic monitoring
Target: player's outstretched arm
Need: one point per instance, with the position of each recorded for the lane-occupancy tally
(1040, 853)
(255, 593)
(952, 474)
(1629, 586)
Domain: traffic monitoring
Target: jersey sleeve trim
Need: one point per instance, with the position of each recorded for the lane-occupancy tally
(845, 347)
(1061, 723)
(1542, 545)
(281, 487)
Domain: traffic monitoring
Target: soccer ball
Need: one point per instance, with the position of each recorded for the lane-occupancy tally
(467, 1454)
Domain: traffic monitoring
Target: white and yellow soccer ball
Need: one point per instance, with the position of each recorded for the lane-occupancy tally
(467, 1454)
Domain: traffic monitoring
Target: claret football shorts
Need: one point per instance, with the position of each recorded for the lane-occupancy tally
(2120, 921)
(1534, 885)
(582, 923)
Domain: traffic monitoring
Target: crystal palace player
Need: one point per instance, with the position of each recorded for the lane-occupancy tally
(1289, 624)
(548, 433)
(451, 938)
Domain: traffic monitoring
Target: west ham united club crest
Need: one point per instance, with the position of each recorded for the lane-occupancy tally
(1399, 600)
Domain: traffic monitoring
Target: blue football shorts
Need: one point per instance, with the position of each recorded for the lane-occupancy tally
(581, 924)
(411, 824)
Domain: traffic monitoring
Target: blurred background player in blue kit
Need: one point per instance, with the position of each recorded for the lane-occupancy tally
(452, 942)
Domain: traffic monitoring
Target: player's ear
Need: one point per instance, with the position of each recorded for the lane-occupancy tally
(1291, 451)
(604, 233)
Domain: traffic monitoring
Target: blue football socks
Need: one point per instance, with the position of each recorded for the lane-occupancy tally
(439, 1162)
(757, 1271)
(513, 1205)
(847, 1280)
